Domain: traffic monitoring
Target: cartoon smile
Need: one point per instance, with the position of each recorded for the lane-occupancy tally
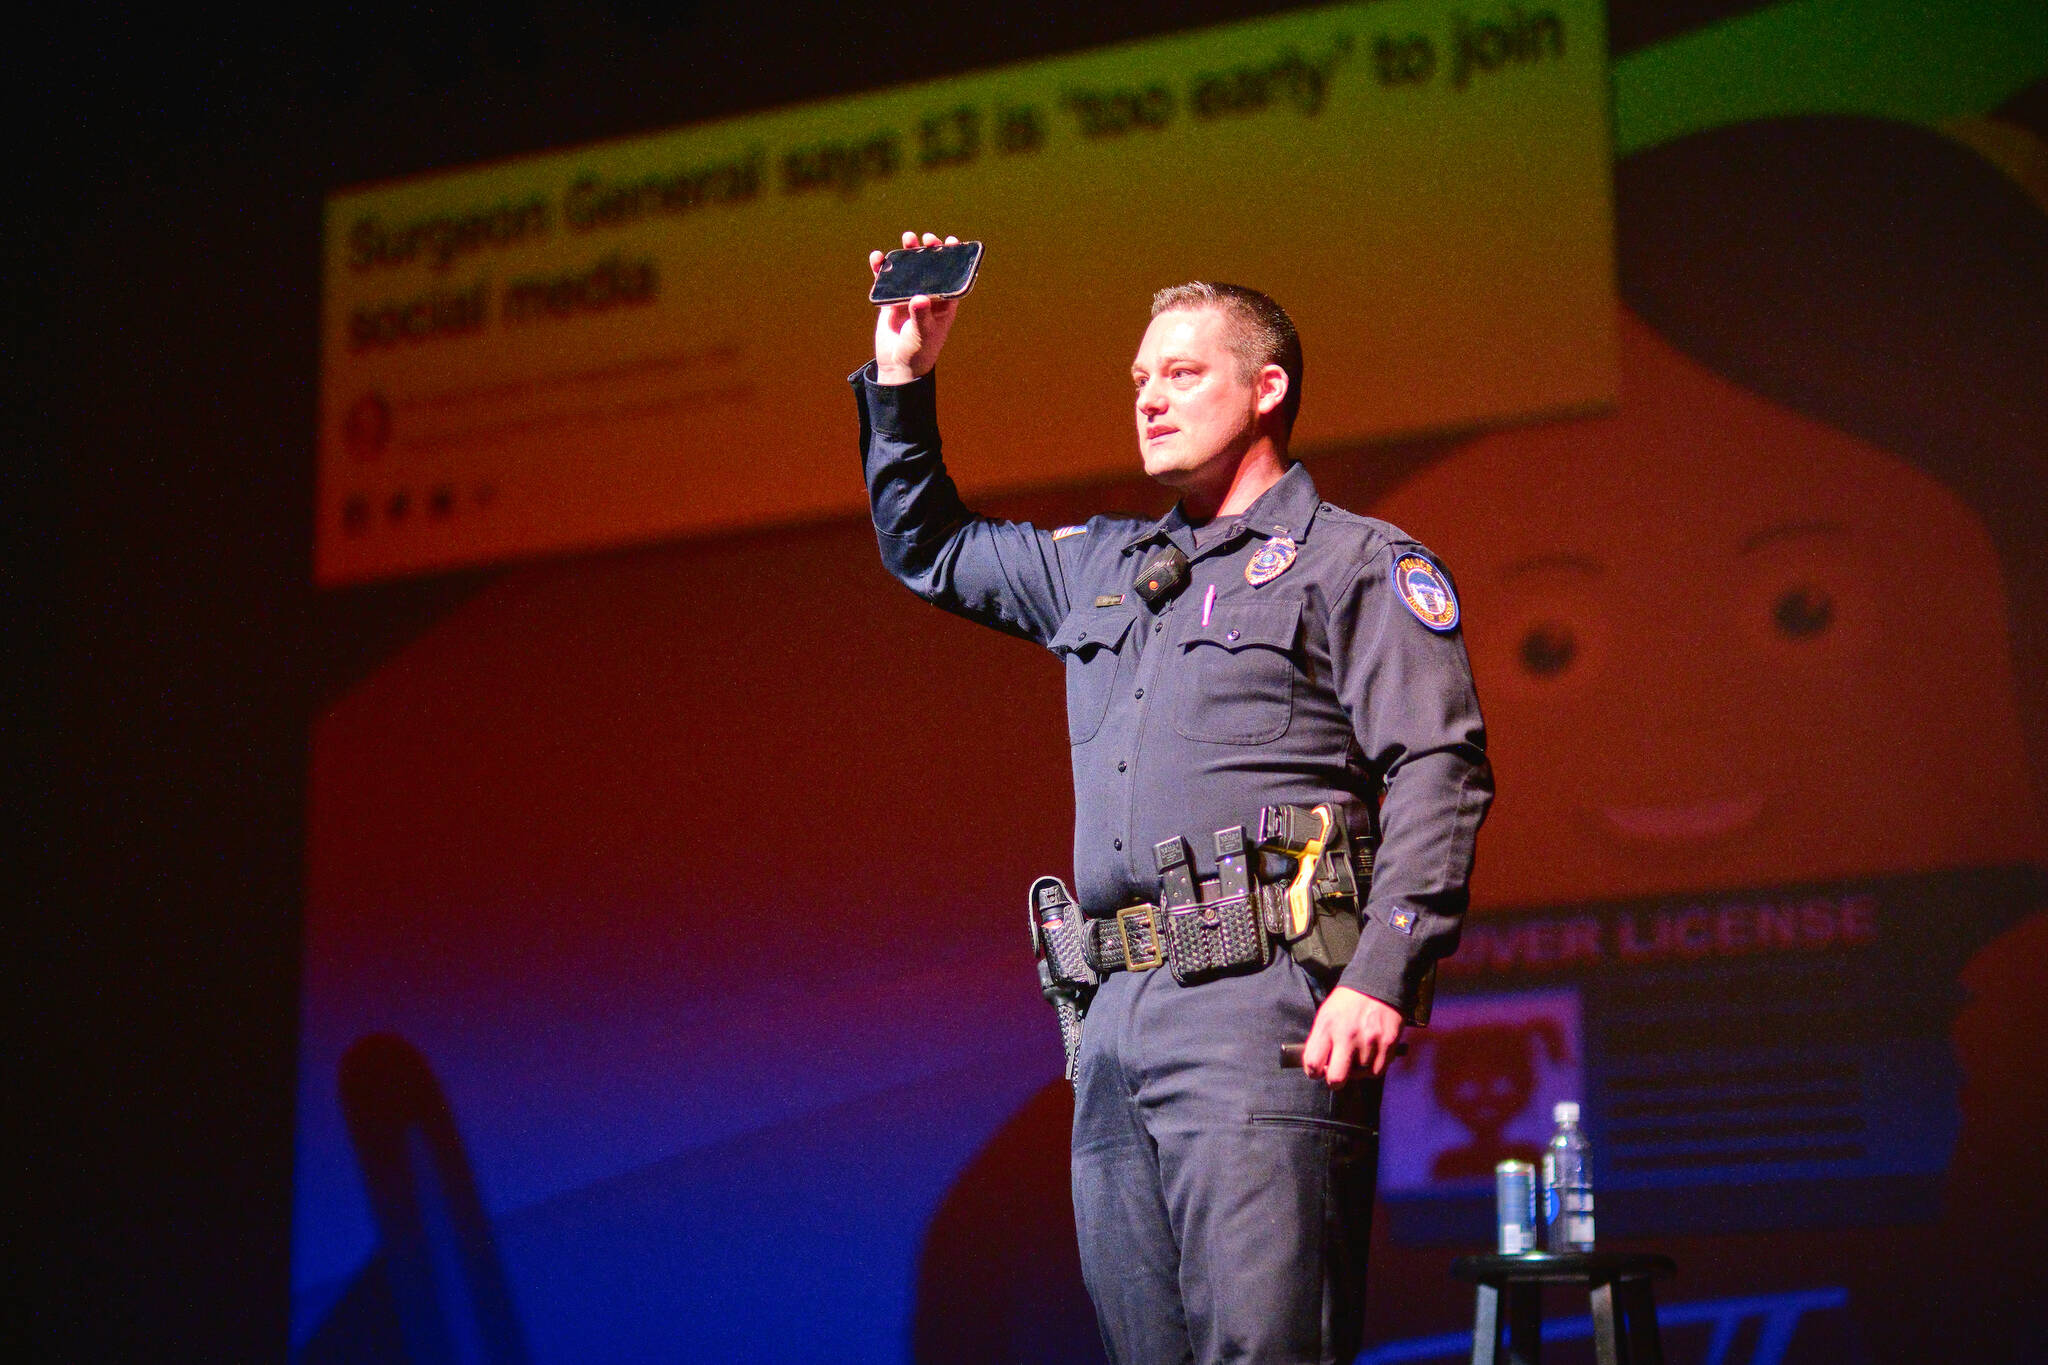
(1687, 823)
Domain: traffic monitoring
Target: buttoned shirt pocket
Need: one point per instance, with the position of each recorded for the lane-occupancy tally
(1091, 641)
(1236, 683)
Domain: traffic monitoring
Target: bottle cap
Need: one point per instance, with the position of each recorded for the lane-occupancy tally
(1567, 1111)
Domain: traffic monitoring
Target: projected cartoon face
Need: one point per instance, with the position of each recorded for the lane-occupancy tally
(1721, 644)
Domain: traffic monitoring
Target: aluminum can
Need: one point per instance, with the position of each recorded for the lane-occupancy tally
(1514, 1197)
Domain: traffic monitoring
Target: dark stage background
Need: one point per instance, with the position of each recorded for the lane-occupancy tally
(426, 904)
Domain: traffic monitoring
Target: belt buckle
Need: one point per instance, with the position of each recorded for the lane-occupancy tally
(1155, 953)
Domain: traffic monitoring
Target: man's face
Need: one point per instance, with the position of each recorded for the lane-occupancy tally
(1196, 412)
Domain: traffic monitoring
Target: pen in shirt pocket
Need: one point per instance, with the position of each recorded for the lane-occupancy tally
(1208, 602)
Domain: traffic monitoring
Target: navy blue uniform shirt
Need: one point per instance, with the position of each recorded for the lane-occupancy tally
(1321, 684)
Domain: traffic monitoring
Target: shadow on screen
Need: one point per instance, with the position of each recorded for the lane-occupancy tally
(434, 1289)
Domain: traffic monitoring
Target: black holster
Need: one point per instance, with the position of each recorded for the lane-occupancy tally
(1064, 976)
(1338, 883)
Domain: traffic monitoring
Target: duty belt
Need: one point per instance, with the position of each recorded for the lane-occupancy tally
(1140, 937)
(1206, 928)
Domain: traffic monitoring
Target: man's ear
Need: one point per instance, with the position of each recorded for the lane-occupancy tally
(1271, 384)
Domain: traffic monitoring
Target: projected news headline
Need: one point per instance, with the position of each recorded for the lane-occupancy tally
(646, 338)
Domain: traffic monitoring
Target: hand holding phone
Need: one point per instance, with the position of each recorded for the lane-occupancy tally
(945, 271)
(909, 334)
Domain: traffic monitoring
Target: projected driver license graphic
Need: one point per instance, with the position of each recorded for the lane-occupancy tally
(647, 338)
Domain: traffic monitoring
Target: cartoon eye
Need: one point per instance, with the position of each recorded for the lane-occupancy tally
(1548, 650)
(1802, 613)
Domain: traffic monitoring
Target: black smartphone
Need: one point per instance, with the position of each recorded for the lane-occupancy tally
(939, 272)
(1290, 1054)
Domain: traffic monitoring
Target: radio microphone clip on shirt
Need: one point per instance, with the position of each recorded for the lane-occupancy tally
(1162, 576)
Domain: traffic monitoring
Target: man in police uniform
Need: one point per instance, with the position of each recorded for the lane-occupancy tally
(1222, 1202)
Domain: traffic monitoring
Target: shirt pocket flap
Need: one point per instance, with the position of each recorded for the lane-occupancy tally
(1085, 631)
(1238, 625)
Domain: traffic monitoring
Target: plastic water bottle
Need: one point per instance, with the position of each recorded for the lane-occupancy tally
(1568, 1184)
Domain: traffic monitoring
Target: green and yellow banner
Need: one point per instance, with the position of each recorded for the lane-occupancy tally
(646, 338)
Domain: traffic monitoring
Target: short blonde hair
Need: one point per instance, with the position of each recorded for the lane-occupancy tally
(1257, 330)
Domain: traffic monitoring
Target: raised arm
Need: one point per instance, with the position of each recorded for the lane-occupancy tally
(1002, 574)
(909, 336)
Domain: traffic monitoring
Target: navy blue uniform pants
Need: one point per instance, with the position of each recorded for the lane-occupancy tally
(1223, 1204)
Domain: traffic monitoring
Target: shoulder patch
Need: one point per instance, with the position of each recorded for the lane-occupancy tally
(1066, 531)
(1426, 591)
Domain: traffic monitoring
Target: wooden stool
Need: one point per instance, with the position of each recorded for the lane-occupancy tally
(1624, 1317)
